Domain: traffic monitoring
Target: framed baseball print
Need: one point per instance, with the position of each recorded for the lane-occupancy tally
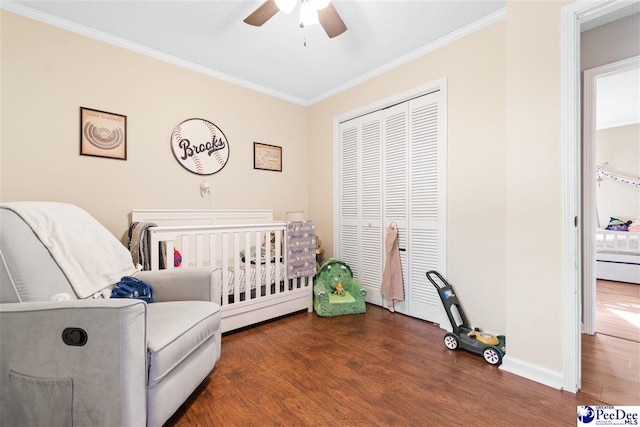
(103, 134)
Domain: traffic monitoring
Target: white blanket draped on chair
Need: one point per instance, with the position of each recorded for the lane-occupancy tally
(88, 254)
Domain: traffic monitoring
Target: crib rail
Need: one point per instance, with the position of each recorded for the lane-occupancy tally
(618, 241)
(220, 246)
(197, 241)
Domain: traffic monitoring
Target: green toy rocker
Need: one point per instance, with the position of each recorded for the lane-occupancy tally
(337, 292)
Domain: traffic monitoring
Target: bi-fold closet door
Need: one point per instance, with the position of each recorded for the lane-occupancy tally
(360, 228)
(392, 170)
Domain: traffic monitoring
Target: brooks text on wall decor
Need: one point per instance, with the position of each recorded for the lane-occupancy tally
(200, 146)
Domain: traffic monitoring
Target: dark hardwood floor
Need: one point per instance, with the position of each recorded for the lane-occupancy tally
(373, 369)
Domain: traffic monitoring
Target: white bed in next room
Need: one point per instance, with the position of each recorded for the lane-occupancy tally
(618, 256)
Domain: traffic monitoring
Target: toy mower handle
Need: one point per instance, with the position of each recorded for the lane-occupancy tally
(439, 276)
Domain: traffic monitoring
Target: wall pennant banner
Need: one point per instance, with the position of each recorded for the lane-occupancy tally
(617, 177)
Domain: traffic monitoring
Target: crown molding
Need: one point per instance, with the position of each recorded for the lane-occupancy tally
(481, 23)
(14, 7)
(11, 6)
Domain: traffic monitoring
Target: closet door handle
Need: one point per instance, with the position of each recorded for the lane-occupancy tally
(402, 249)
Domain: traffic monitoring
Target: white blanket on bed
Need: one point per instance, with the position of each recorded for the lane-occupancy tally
(87, 253)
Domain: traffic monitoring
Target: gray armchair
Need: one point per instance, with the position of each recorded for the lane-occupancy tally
(96, 361)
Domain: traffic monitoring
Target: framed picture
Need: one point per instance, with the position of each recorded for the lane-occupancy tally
(103, 134)
(267, 157)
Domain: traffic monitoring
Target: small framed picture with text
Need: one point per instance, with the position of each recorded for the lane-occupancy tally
(103, 134)
(267, 157)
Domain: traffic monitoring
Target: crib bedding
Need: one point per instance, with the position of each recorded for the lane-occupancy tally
(243, 274)
(242, 277)
(253, 267)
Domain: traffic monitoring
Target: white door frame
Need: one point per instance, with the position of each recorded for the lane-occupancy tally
(591, 77)
(572, 15)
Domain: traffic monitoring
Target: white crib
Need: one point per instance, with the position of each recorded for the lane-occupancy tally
(618, 256)
(249, 292)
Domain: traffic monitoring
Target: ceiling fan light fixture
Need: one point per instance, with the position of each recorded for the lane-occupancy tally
(308, 14)
(320, 4)
(286, 6)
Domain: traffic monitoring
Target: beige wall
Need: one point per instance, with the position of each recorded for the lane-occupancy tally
(619, 147)
(534, 185)
(475, 70)
(48, 73)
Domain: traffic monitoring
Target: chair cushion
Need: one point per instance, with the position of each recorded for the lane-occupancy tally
(175, 330)
(341, 299)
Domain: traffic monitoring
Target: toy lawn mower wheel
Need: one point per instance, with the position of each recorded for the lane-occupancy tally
(492, 356)
(451, 341)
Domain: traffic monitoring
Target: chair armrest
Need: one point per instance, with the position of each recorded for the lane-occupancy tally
(356, 289)
(321, 292)
(193, 284)
(111, 365)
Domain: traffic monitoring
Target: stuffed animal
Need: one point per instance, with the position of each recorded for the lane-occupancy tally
(617, 225)
(340, 289)
(635, 225)
(272, 241)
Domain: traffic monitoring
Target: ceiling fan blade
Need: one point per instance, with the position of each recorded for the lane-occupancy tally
(331, 22)
(262, 14)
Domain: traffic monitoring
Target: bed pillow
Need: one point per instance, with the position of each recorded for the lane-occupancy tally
(635, 225)
(617, 225)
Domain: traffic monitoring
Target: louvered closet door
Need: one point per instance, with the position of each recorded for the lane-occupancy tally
(395, 180)
(426, 206)
(414, 198)
(360, 242)
(392, 170)
(371, 243)
(349, 242)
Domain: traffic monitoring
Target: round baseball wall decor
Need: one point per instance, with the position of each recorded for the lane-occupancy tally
(200, 146)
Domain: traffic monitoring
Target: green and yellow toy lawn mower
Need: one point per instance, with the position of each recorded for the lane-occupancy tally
(491, 347)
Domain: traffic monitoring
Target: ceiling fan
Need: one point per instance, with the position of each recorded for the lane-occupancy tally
(311, 12)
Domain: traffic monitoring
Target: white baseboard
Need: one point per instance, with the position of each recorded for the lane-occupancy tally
(533, 372)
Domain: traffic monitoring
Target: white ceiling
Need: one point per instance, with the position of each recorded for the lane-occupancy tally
(210, 36)
(630, 7)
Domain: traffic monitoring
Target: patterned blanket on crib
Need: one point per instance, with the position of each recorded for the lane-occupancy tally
(301, 248)
(252, 274)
